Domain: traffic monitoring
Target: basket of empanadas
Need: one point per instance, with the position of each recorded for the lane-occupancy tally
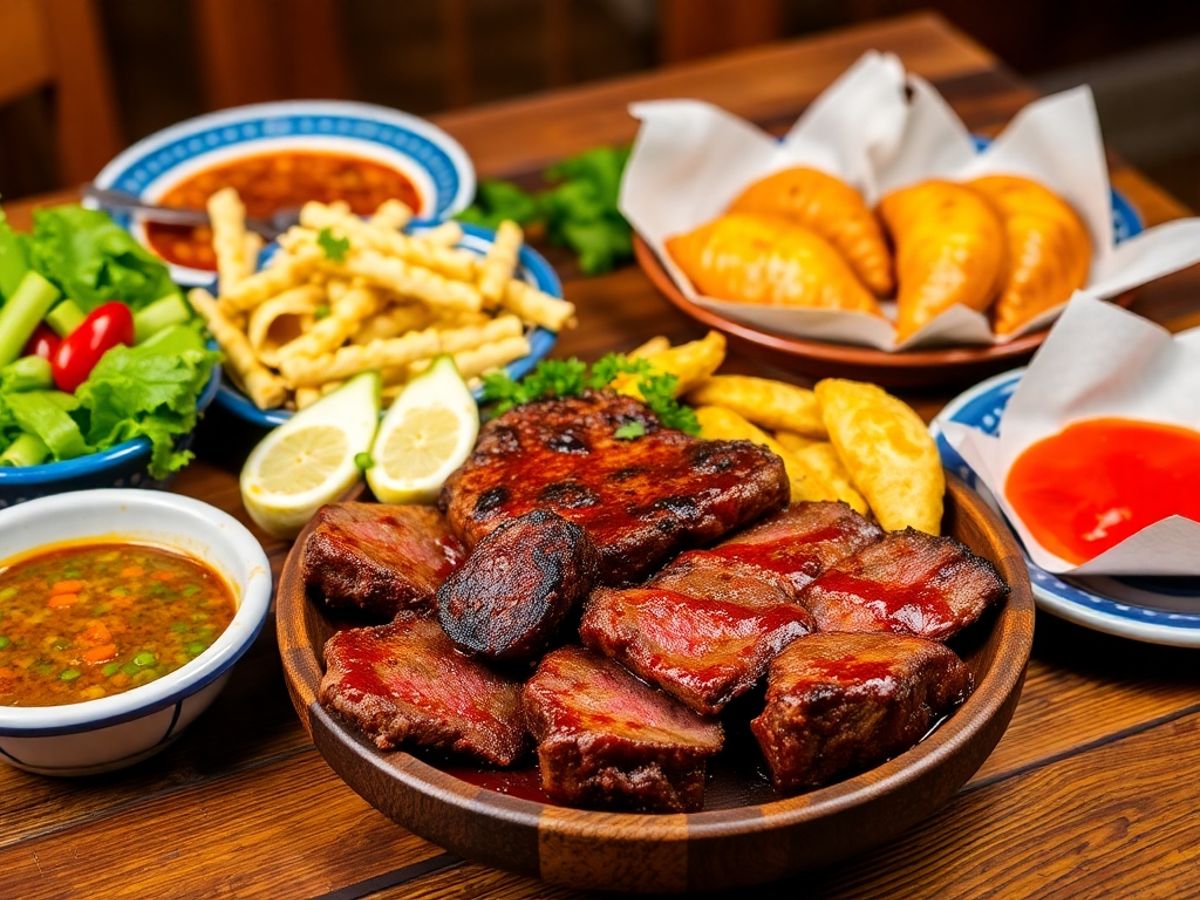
(880, 232)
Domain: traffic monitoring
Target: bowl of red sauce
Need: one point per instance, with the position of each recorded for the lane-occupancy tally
(280, 155)
(122, 614)
(1085, 489)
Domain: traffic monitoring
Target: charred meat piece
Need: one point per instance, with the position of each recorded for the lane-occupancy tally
(405, 683)
(705, 628)
(908, 583)
(802, 541)
(520, 582)
(606, 739)
(379, 559)
(640, 501)
(702, 631)
(840, 703)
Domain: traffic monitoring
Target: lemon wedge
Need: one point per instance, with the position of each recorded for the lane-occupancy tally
(426, 435)
(310, 459)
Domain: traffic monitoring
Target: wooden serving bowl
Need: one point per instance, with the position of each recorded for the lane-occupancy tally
(936, 367)
(746, 834)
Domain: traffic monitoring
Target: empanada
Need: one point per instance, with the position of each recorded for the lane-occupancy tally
(1049, 250)
(888, 451)
(765, 259)
(832, 209)
(949, 250)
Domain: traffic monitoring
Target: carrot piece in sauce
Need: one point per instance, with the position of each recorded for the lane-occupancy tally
(99, 654)
(73, 586)
(61, 601)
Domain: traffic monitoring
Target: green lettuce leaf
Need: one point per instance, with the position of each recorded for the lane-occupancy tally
(92, 259)
(143, 392)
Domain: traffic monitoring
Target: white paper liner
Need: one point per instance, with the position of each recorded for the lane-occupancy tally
(1098, 360)
(691, 159)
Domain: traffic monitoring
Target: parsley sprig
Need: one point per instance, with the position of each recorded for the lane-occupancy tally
(335, 248)
(571, 377)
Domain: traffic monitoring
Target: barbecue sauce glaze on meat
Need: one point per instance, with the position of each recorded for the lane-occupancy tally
(507, 601)
(909, 583)
(405, 682)
(378, 558)
(640, 501)
(706, 627)
(841, 703)
(606, 739)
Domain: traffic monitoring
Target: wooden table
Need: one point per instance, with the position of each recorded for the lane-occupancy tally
(1094, 788)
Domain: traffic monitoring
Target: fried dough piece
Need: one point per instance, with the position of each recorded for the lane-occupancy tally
(763, 259)
(1049, 250)
(949, 250)
(832, 209)
(888, 452)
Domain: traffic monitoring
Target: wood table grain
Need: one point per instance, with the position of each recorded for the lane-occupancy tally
(1093, 790)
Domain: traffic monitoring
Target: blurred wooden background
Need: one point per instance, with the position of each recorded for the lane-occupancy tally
(80, 78)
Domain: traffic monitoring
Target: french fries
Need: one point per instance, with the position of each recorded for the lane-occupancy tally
(718, 423)
(888, 452)
(769, 404)
(344, 294)
(690, 363)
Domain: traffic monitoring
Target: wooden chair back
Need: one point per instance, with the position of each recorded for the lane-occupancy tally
(54, 47)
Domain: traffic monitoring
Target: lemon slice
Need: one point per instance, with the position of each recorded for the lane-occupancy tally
(426, 435)
(310, 459)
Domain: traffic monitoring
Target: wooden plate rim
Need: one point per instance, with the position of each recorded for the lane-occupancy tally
(1015, 620)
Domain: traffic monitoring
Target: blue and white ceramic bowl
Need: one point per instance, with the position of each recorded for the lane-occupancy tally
(434, 162)
(117, 467)
(531, 266)
(1153, 610)
(117, 731)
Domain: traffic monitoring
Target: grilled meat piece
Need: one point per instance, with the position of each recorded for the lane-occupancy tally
(379, 559)
(802, 541)
(702, 632)
(841, 703)
(520, 582)
(640, 501)
(606, 739)
(706, 627)
(404, 682)
(909, 583)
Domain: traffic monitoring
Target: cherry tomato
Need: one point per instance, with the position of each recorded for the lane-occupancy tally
(104, 328)
(43, 342)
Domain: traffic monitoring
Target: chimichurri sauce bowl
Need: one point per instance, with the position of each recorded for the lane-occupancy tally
(122, 614)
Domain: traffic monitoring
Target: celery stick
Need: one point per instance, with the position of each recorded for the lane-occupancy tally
(162, 313)
(29, 373)
(14, 258)
(26, 450)
(173, 340)
(65, 318)
(21, 314)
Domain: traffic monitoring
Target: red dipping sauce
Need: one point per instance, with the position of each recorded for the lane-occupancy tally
(1099, 481)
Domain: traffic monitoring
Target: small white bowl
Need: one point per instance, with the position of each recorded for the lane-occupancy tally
(117, 731)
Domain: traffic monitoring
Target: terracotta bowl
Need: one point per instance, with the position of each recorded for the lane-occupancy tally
(746, 833)
(938, 367)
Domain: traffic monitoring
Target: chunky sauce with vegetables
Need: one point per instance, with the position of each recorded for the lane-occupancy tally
(85, 621)
(270, 182)
(1097, 482)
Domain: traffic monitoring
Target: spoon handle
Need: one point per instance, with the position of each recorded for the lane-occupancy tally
(166, 215)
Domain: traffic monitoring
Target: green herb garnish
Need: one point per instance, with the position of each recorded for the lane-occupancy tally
(629, 431)
(364, 461)
(571, 377)
(579, 210)
(321, 312)
(334, 247)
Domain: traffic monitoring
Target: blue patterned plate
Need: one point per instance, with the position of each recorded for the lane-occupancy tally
(531, 266)
(434, 162)
(1152, 610)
